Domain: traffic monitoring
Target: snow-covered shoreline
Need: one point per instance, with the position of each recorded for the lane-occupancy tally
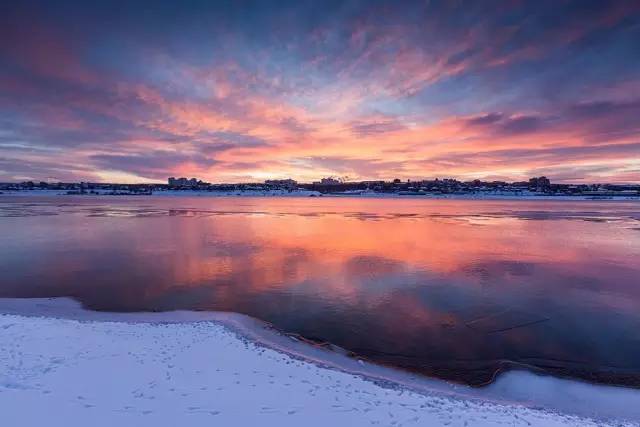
(308, 193)
(167, 368)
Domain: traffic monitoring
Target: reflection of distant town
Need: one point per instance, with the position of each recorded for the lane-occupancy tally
(332, 186)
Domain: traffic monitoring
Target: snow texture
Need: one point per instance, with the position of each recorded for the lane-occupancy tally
(66, 372)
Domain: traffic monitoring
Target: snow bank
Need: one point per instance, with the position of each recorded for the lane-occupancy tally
(237, 193)
(186, 368)
(169, 193)
(310, 193)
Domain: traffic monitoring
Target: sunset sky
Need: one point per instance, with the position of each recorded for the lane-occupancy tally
(243, 91)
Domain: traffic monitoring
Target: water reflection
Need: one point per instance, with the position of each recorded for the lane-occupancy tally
(457, 289)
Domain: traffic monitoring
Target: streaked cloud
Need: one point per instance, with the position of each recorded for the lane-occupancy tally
(367, 89)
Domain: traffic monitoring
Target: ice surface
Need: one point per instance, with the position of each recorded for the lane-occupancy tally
(495, 195)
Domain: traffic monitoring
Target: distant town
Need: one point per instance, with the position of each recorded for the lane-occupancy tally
(538, 186)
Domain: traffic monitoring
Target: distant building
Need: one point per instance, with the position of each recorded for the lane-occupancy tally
(328, 181)
(289, 184)
(183, 182)
(373, 184)
(540, 184)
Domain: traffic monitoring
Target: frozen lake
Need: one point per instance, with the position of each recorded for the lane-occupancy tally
(458, 289)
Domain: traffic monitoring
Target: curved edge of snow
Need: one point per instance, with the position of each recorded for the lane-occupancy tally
(519, 390)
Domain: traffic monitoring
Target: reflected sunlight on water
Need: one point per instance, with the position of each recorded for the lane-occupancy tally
(456, 289)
